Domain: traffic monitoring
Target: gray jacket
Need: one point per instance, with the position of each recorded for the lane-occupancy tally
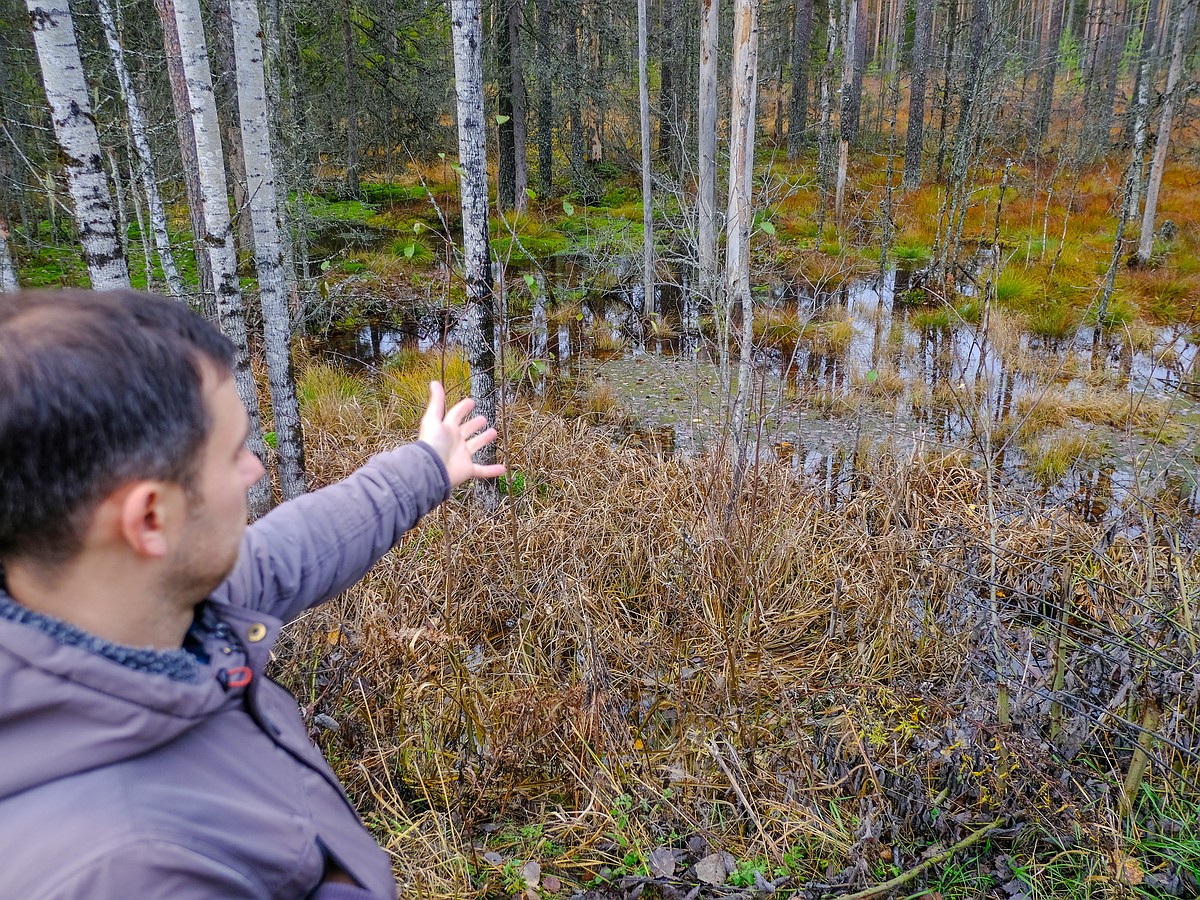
(188, 774)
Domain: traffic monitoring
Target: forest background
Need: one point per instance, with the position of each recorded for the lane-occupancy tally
(845, 357)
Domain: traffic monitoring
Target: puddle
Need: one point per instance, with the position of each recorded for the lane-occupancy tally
(868, 371)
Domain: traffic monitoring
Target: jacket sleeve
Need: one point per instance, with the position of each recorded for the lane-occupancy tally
(312, 548)
(154, 870)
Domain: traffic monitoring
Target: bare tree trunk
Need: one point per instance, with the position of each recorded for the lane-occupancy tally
(825, 131)
(798, 102)
(519, 107)
(914, 138)
(208, 195)
(575, 106)
(149, 178)
(1139, 121)
(706, 189)
(225, 90)
(1047, 68)
(647, 181)
(545, 116)
(477, 323)
(8, 271)
(856, 46)
(78, 143)
(847, 118)
(268, 244)
(740, 216)
(1183, 24)
(353, 170)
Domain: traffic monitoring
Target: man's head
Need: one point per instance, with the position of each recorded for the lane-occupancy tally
(99, 391)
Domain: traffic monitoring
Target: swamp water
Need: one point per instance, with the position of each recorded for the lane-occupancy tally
(855, 370)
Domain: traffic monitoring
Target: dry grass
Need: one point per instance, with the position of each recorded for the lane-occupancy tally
(619, 660)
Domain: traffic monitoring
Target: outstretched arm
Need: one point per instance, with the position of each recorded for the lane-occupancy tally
(314, 547)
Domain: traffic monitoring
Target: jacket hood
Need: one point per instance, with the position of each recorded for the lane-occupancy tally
(65, 709)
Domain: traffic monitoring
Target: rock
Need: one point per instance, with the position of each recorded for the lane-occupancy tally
(532, 873)
(494, 858)
(551, 884)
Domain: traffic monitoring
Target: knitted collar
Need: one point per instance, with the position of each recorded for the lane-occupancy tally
(178, 665)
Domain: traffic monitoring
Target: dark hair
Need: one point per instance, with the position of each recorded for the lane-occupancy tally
(96, 390)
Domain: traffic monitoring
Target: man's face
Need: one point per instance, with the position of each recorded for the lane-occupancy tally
(216, 518)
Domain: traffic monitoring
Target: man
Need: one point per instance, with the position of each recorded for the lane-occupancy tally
(144, 753)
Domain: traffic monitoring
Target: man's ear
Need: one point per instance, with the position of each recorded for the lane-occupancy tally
(145, 515)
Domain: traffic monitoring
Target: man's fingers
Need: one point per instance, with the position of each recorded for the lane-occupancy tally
(460, 411)
(481, 440)
(489, 471)
(437, 404)
(477, 423)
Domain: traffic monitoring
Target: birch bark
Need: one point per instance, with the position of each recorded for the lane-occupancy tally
(268, 246)
(477, 325)
(149, 177)
(8, 271)
(1159, 163)
(738, 219)
(647, 186)
(79, 143)
(706, 189)
(196, 108)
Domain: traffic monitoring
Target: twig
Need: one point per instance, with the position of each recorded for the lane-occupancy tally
(746, 805)
(905, 877)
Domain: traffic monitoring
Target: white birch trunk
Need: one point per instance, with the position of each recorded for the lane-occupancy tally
(477, 325)
(268, 245)
(1159, 163)
(706, 190)
(137, 126)
(71, 113)
(195, 104)
(8, 271)
(647, 188)
(739, 217)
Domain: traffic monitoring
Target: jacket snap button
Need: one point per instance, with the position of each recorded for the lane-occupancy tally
(256, 632)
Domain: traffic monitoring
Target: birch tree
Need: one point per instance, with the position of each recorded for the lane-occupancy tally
(268, 245)
(739, 217)
(8, 271)
(477, 326)
(78, 143)
(647, 198)
(208, 195)
(1183, 24)
(706, 188)
(149, 177)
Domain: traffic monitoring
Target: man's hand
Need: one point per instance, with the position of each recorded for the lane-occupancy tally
(454, 440)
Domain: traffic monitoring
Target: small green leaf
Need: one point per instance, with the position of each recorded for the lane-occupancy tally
(270, 438)
(500, 120)
(409, 251)
(417, 226)
(767, 227)
(531, 193)
(568, 208)
(530, 280)
(872, 376)
(539, 367)
(459, 169)
(578, 317)
(324, 265)
(441, 155)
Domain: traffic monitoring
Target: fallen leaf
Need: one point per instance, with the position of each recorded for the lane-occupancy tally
(661, 862)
